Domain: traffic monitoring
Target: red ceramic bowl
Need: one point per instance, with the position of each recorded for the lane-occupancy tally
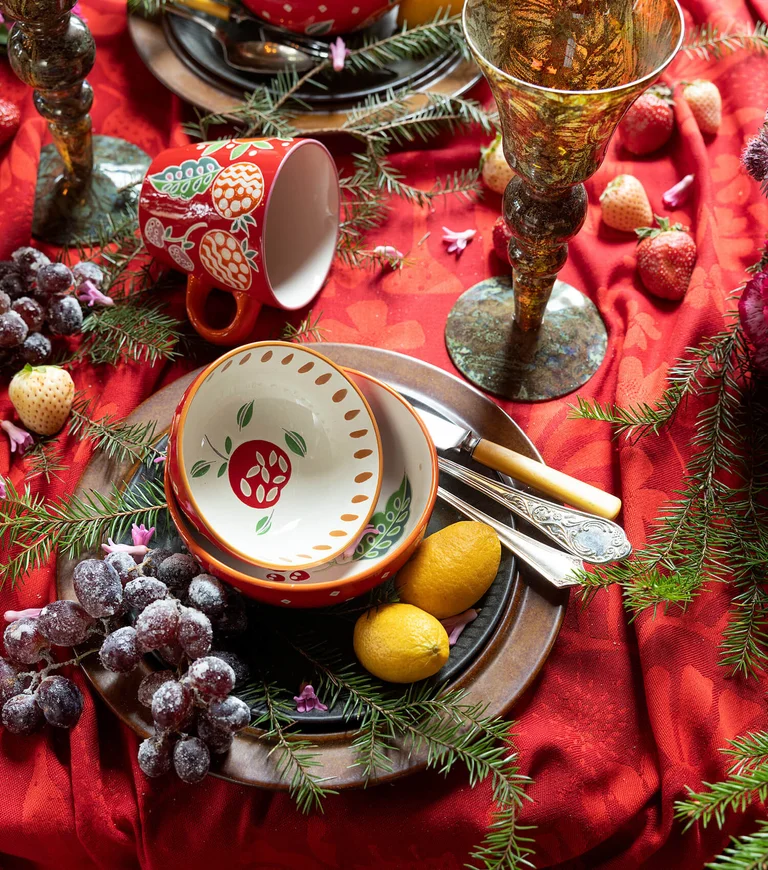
(402, 512)
(320, 17)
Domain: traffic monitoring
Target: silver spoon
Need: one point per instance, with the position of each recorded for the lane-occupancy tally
(557, 567)
(259, 56)
(592, 538)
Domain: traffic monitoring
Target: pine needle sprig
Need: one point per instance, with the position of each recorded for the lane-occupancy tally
(748, 752)
(309, 330)
(749, 852)
(32, 528)
(296, 757)
(121, 441)
(735, 793)
(44, 459)
(709, 42)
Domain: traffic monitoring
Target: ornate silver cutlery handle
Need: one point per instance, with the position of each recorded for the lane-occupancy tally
(589, 537)
(553, 565)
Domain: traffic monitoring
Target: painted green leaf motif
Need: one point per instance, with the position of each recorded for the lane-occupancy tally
(264, 525)
(222, 469)
(263, 145)
(200, 468)
(213, 147)
(240, 149)
(244, 415)
(389, 524)
(227, 445)
(296, 443)
(187, 180)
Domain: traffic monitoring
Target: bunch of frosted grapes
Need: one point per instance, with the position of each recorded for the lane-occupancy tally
(28, 701)
(37, 301)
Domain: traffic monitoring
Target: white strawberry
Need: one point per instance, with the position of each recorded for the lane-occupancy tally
(497, 173)
(706, 105)
(42, 397)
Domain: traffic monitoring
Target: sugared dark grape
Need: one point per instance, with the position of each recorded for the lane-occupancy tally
(29, 261)
(60, 700)
(98, 587)
(157, 624)
(151, 683)
(24, 642)
(120, 651)
(191, 759)
(65, 316)
(241, 668)
(171, 653)
(230, 713)
(217, 739)
(211, 677)
(207, 594)
(22, 715)
(13, 330)
(54, 279)
(30, 311)
(5, 302)
(142, 591)
(177, 570)
(124, 564)
(10, 682)
(195, 633)
(64, 623)
(13, 286)
(155, 756)
(8, 267)
(153, 560)
(36, 349)
(234, 620)
(171, 704)
(87, 272)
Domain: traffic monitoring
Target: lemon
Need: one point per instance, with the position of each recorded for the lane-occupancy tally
(400, 643)
(416, 12)
(451, 569)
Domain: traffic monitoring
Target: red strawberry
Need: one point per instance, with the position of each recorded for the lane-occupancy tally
(10, 116)
(706, 105)
(501, 237)
(665, 259)
(648, 123)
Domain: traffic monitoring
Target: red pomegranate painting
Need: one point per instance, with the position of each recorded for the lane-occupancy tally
(258, 472)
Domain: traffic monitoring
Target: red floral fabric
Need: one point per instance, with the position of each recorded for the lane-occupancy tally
(624, 715)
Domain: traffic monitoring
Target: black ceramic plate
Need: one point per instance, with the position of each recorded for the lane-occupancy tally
(337, 624)
(203, 54)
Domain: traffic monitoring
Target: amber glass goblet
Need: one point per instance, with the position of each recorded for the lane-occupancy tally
(563, 73)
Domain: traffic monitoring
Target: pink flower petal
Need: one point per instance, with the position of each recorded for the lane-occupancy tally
(20, 439)
(307, 700)
(13, 615)
(141, 535)
(137, 551)
(454, 625)
(753, 313)
(679, 194)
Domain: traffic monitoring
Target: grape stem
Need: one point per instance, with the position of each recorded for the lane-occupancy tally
(38, 676)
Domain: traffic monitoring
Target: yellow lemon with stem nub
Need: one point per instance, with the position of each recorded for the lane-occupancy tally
(400, 643)
(451, 569)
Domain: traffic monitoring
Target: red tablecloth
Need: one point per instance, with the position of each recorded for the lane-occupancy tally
(623, 716)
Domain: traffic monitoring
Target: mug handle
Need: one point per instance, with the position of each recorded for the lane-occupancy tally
(238, 331)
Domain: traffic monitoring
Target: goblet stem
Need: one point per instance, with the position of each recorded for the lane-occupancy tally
(541, 224)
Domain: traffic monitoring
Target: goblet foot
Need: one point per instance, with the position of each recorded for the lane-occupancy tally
(63, 218)
(494, 354)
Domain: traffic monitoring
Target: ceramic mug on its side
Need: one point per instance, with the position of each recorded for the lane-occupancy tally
(258, 218)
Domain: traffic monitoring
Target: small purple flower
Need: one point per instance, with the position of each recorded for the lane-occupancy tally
(3, 492)
(137, 551)
(755, 156)
(158, 459)
(141, 535)
(457, 241)
(90, 293)
(20, 439)
(753, 313)
(339, 52)
(454, 625)
(679, 194)
(307, 700)
(350, 551)
(13, 615)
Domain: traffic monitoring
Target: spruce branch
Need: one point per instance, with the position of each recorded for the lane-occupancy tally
(296, 757)
(748, 752)
(309, 330)
(125, 442)
(749, 852)
(709, 42)
(735, 793)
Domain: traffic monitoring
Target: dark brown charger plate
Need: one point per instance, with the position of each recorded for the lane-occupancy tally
(498, 676)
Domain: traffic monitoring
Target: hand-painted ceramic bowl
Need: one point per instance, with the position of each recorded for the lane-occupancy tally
(275, 456)
(397, 526)
(320, 17)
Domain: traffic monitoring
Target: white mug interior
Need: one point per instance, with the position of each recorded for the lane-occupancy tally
(301, 224)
